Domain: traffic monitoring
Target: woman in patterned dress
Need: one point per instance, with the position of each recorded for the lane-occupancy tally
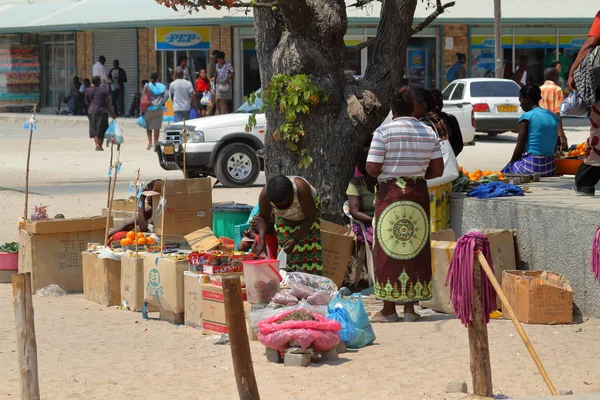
(297, 207)
(403, 154)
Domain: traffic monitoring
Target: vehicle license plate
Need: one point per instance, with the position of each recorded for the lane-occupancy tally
(507, 108)
(168, 150)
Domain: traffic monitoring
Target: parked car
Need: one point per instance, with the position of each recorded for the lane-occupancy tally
(492, 103)
(217, 146)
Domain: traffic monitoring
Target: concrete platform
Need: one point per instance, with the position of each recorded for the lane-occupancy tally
(60, 120)
(555, 229)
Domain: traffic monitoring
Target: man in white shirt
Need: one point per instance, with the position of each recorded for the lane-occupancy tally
(182, 92)
(98, 70)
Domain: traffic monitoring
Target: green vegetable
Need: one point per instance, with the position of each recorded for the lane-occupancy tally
(9, 247)
(59, 216)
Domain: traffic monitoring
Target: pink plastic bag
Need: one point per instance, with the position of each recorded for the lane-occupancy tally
(321, 334)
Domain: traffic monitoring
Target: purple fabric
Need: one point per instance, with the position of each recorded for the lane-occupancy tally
(359, 234)
(97, 98)
(357, 173)
(528, 164)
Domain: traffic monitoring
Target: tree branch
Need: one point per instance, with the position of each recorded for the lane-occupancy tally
(360, 46)
(439, 9)
(361, 3)
(218, 4)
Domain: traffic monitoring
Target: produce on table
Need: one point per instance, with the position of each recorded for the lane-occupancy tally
(580, 150)
(9, 247)
(480, 176)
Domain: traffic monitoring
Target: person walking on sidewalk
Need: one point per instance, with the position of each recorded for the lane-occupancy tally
(98, 70)
(588, 174)
(182, 92)
(97, 99)
(158, 95)
(117, 78)
(223, 84)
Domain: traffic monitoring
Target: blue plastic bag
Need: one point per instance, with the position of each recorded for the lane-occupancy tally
(141, 122)
(113, 133)
(341, 315)
(362, 333)
(193, 114)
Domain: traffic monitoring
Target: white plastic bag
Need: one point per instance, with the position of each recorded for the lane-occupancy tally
(450, 166)
(108, 253)
(282, 257)
(206, 99)
(574, 106)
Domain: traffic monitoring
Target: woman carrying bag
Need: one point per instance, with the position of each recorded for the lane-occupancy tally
(152, 106)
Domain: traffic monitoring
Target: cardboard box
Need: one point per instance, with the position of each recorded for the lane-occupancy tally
(539, 297)
(203, 240)
(502, 247)
(119, 217)
(188, 207)
(163, 283)
(338, 243)
(132, 282)
(221, 269)
(175, 241)
(248, 308)
(6, 276)
(192, 284)
(51, 250)
(213, 310)
(101, 280)
(124, 205)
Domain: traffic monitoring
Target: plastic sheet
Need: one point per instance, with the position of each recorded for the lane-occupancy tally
(51, 290)
(574, 106)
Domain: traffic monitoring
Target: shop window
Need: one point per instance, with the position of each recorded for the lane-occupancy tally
(197, 60)
(483, 63)
(250, 71)
(354, 60)
(59, 66)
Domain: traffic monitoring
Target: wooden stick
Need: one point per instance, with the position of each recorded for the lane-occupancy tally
(26, 344)
(137, 201)
(31, 124)
(162, 218)
(184, 134)
(112, 195)
(506, 307)
(238, 339)
(109, 178)
(481, 368)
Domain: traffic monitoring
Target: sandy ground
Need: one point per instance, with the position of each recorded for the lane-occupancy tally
(90, 352)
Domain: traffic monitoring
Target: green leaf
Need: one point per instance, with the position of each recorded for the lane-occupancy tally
(293, 146)
(306, 95)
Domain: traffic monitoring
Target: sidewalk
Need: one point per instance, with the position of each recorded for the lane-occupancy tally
(60, 120)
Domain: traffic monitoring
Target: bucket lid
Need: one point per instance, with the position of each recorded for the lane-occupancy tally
(233, 207)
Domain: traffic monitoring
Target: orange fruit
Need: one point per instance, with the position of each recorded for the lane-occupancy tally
(460, 168)
(130, 235)
(150, 240)
(487, 173)
(142, 241)
(140, 235)
(125, 242)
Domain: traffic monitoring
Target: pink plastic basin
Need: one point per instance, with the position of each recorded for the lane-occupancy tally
(9, 261)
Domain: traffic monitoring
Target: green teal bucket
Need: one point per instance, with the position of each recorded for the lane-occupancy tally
(227, 216)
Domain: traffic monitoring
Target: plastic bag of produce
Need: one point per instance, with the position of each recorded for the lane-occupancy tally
(319, 298)
(274, 309)
(300, 291)
(285, 298)
(363, 331)
(308, 329)
(341, 315)
(313, 281)
(574, 106)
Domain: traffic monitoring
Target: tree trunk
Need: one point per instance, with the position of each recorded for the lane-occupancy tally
(307, 37)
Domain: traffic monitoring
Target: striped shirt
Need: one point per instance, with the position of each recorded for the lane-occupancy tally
(404, 147)
(552, 97)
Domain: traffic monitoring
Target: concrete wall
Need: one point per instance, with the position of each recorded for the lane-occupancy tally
(460, 33)
(556, 238)
(85, 54)
(147, 59)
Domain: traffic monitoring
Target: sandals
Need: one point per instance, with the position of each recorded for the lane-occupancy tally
(412, 317)
(99, 149)
(380, 318)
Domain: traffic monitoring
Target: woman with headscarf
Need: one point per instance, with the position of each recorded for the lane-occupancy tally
(297, 207)
(158, 96)
(403, 154)
(439, 196)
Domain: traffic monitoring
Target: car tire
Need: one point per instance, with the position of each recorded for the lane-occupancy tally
(237, 165)
(492, 134)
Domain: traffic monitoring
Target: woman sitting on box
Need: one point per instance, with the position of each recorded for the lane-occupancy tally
(144, 218)
(297, 207)
(538, 132)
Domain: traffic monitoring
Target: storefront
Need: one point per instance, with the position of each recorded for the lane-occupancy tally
(58, 67)
(19, 74)
(541, 46)
(175, 42)
(421, 59)
(122, 45)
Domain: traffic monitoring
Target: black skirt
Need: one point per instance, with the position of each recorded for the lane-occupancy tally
(98, 125)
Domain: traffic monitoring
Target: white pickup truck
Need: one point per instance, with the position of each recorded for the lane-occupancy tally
(219, 145)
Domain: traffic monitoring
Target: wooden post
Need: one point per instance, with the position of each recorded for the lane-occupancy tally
(27, 347)
(184, 135)
(481, 368)
(162, 217)
(499, 54)
(238, 339)
(112, 195)
(31, 125)
(112, 146)
(507, 308)
(137, 201)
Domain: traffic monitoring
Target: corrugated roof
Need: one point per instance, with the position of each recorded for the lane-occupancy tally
(21, 16)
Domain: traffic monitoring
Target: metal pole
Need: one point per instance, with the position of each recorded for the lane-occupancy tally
(498, 40)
